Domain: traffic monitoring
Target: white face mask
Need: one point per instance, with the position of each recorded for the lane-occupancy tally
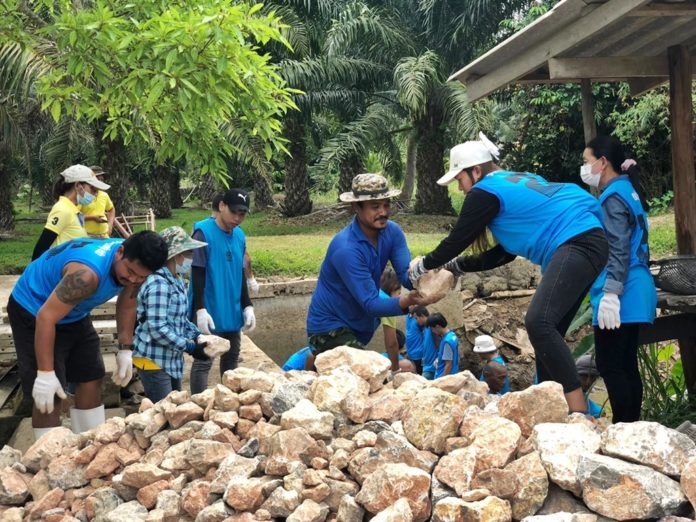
(586, 175)
(184, 267)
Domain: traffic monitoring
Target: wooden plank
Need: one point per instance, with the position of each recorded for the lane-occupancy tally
(667, 328)
(639, 86)
(608, 67)
(533, 57)
(588, 121)
(683, 172)
(663, 9)
(9, 384)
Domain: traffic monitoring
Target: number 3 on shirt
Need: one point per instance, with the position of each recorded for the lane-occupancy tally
(534, 183)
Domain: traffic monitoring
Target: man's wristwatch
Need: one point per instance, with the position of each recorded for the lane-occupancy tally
(122, 346)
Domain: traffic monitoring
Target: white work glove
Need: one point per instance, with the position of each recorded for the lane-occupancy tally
(627, 164)
(416, 270)
(249, 319)
(609, 313)
(204, 322)
(46, 386)
(124, 368)
(253, 286)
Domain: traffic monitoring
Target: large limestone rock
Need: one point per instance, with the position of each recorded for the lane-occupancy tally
(688, 481)
(13, 488)
(47, 448)
(385, 486)
(432, 417)
(450, 509)
(309, 511)
(563, 517)
(560, 447)
(456, 469)
(495, 441)
(368, 365)
(462, 381)
(624, 491)
(215, 345)
(435, 285)
(538, 404)
(305, 414)
(650, 444)
(341, 392)
(400, 511)
(385, 405)
(533, 485)
(490, 509)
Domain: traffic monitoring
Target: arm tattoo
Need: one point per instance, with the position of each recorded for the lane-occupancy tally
(74, 287)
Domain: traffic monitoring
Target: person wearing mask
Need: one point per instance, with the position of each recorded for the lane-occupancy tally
(346, 304)
(55, 340)
(99, 212)
(164, 332)
(220, 298)
(555, 225)
(623, 297)
(77, 185)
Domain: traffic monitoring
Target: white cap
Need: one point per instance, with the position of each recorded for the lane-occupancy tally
(82, 174)
(469, 154)
(484, 344)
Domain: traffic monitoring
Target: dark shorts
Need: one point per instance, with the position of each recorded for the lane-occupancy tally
(76, 355)
(320, 343)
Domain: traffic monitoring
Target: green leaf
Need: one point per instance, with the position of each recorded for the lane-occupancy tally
(55, 111)
(585, 345)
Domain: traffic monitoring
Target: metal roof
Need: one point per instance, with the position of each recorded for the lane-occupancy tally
(603, 40)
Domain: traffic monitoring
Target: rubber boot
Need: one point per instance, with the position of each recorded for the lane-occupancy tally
(85, 420)
(39, 432)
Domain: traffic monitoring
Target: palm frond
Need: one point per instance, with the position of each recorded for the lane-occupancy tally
(415, 77)
(315, 73)
(66, 141)
(361, 30)
(295, 31)
(19, 70)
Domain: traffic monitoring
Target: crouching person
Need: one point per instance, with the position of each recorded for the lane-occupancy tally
(164, 331)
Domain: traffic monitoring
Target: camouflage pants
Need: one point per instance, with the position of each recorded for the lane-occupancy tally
(339, 337)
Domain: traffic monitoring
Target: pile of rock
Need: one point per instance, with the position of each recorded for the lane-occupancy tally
(343, 445)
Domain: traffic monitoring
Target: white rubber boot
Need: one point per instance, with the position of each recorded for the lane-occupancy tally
(39, 432)
(85, 420)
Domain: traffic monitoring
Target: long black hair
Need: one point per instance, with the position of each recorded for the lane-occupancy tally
(612, 149)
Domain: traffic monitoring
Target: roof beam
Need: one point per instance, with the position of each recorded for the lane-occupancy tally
(661, 9)
(609, 67)
(639, 86)
(533, 57)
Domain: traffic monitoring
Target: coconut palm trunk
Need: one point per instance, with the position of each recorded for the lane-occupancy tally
(7, 221)
(431, 198)
(263, 191)
(158, 192)
(174, 189)
(349, 168)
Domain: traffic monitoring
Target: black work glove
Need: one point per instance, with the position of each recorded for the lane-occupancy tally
(198, 352)
(455, 266)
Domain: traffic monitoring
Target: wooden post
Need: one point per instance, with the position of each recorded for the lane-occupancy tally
(684, 177)
(588, 122)
(682, 148)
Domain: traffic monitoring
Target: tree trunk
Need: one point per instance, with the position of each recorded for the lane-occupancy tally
(174, 189)
(159, 192)
(349, 167)
(263, 191)
(7, 192)
(207, 189)
(112, 158)
(297, 202)
(410, 177)
(431, 198)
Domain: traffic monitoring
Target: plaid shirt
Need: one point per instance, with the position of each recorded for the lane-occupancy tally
(164, 331)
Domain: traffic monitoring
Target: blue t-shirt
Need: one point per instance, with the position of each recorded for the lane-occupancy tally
(41, 277)
(297, 360)
(347, 292)
(639, 296)
(429, 351)
(449, 351)
(414, 339)
(506, 388)
(223, 260)
(536, 216)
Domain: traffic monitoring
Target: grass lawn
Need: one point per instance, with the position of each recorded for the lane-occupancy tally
(282, 247)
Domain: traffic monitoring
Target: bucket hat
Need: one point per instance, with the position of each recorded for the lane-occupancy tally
(484, 344)
(179, 241)
(369, 187)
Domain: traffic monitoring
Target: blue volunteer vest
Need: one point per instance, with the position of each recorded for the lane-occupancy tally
(639, 297)
(451, 339)
(297, 360)
(429, 350)
(223, 275)
(42, 275)
(536, 216)
(414, 339)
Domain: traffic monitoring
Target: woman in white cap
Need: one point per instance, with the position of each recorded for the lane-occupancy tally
(555, 225)
(488, 351)
(77, 185)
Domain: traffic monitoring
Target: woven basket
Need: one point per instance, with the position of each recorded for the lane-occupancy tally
(675, 274)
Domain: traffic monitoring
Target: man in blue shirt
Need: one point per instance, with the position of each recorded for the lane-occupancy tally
(448, 354)
(415, 344)
(54, 338)
(486, 348)
(346, 305)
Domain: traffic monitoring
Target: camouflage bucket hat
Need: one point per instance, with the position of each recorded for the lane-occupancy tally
(179, 241)
(368, 187)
